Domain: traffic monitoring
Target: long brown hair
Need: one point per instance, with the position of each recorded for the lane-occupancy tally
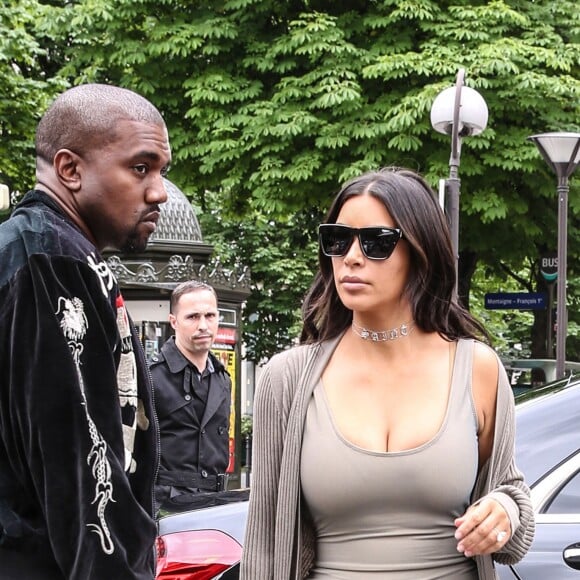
(413, 205)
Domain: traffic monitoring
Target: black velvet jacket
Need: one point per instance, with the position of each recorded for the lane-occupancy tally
(78, 433)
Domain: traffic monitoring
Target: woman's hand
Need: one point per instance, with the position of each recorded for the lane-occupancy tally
(483, 529)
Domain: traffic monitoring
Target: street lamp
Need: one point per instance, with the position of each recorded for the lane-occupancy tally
(561, 151)
(458, 111)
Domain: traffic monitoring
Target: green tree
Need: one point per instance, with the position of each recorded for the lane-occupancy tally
(26, 87)
(283, 258)
(271, 104)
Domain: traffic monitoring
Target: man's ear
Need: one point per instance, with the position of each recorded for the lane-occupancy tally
(172, 320)
(66, 166)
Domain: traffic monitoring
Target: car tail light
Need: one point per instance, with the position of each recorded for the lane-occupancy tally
(195, 555)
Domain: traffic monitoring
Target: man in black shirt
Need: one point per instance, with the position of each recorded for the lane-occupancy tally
(192, 397)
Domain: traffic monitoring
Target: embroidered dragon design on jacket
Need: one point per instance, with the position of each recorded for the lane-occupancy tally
(74, 325)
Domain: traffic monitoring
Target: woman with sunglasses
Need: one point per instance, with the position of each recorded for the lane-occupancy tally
(383, 445)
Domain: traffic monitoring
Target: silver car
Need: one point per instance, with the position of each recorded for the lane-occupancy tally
(548, 452)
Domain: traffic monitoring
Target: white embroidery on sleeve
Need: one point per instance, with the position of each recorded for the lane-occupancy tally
(74, 325)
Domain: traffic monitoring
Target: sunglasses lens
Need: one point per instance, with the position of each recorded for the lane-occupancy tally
(334, 240)
(379, 243)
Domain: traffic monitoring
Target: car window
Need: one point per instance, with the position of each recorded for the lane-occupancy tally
(548, 427)
(567, 501)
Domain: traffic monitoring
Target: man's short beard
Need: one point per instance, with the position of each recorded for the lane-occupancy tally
(134, 244)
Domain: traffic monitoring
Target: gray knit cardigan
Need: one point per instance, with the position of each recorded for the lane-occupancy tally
(279, 542)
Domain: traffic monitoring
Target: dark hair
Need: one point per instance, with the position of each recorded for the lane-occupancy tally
(86, 117)
(186, 288)
(430, 288)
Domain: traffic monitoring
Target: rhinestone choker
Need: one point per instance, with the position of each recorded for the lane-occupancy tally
(382, 335)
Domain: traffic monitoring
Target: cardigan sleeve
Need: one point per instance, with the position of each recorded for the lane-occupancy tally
(506, 482)
(258, 553)
(511, 481)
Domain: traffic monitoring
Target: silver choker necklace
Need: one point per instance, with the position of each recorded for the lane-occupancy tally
(382, 335)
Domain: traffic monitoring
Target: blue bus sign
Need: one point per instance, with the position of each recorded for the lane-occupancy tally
(515, 300)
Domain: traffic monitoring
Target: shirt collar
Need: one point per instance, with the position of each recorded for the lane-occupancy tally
(176, 361)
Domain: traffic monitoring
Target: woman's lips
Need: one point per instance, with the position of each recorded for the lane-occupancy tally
(352, 282)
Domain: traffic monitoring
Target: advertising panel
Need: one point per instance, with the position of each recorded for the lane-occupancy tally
(228, 359)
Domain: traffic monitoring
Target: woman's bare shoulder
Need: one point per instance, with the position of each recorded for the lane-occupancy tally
(485, 363)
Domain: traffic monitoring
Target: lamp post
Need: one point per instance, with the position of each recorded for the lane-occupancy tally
(561, 151)
(458, 111)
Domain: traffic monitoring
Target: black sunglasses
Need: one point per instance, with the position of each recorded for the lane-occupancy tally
(377, 243)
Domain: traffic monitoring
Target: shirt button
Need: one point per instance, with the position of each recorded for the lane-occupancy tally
(203, 431)
(203, 473)
(188, 397)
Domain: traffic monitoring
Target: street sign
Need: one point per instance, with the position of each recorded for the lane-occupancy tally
(549, 266)
(515, 300)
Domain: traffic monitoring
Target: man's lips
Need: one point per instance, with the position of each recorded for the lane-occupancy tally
(152, 216)
(150, 220)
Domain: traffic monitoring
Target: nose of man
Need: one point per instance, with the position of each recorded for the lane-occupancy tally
(156, 192)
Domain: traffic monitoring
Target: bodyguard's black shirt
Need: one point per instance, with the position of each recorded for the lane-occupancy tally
(193, 409)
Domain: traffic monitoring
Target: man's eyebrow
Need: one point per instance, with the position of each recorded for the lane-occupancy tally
(148, 155)
(151, 156)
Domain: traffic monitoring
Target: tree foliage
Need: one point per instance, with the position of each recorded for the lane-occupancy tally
(272, 104)
(26, 86)
(283, 257)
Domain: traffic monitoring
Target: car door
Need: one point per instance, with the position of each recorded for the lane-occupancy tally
(556, 499)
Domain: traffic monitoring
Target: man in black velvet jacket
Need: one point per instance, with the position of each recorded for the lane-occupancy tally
(78, 433)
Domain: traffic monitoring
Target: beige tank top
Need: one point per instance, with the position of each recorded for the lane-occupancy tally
(390, 515)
